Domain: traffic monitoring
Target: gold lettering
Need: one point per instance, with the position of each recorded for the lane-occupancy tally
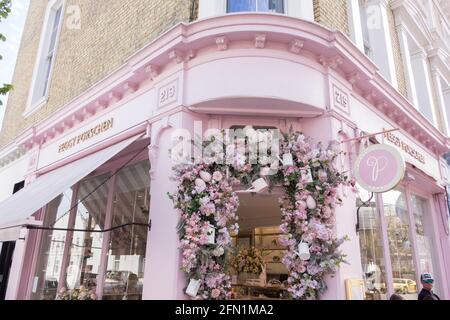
(404, 146)
(88, 134)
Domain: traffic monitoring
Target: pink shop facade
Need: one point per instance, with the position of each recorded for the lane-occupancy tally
(103, 161)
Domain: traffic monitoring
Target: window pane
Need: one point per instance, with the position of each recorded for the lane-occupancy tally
(424, 231)
(54, 30)
(241, 5)
(270, 6)
(255, 5)
(51, 249)
(364, 27)
(371, 245)
(86, 245)
(400, 247)
(48, 67)
(126, 257)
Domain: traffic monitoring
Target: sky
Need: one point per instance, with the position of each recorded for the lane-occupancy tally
(12, 28)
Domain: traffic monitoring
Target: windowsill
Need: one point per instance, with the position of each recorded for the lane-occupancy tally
(35, 107)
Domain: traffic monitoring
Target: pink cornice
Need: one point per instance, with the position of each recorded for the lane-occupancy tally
(185, 42)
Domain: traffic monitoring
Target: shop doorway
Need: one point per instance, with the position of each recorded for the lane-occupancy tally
(6, 254)
(7, 250)
(257, 249)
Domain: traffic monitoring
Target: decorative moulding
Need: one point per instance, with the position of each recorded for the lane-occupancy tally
(176, 55)
(296, 46)
(260, 41)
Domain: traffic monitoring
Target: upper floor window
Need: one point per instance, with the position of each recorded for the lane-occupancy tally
(365, 28)
(255, 5)
(46, 55)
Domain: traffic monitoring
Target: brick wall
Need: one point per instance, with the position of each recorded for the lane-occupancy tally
(111, 31)
(400, 72)
(332, 13)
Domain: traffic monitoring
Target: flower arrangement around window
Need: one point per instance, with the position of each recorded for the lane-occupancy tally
(248, 260)
(207, 205)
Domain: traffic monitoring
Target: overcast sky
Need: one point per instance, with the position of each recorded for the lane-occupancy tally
(12, 28)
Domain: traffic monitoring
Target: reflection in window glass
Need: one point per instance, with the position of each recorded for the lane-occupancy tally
(400, 247)
(51, 249)
(424, 229)
(365, 29)
(86, 245)
(126, 257)
(371, 246)
(255, 5)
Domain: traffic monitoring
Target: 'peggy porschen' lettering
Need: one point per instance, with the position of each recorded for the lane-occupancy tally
(88, 134)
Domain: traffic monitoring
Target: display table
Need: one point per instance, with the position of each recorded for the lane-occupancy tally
(257, 292)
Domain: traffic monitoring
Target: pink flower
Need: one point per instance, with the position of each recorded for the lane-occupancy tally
(215, 293)
(323, 175)
(217, 176)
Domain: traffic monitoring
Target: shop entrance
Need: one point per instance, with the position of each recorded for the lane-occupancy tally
(256, 266)
(7, 250)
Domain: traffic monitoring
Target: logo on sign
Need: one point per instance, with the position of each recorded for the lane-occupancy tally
(379, 168)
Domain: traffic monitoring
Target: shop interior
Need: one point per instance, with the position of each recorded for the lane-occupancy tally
(258, 250)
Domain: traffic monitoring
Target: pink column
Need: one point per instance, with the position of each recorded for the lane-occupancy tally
(69, 238)
(163, 279)
(412, 234)
(439, 213)
(386, 253)
(106, 236)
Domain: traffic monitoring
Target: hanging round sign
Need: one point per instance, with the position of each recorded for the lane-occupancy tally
(379, 168)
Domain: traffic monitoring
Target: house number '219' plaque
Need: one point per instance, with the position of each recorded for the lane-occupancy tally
(340, 99)
(168, 94)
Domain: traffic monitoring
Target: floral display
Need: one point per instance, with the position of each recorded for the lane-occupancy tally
(207, 206)
(76, 294)
(308, 205)
(248, 260)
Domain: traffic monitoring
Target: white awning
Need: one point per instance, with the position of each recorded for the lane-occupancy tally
(15, 210)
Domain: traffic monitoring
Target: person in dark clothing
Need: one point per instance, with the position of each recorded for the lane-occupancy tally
(396, 296)
(427, 293)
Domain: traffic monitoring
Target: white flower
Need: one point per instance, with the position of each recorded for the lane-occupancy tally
(219, 251)
(206, 176)
(326, 211)
(311, 203)
(200, 185)
(217, 176)
(205, 200)
(240, 160)
(265, 171)
(301, 138)
(275, 165)
(303, 204)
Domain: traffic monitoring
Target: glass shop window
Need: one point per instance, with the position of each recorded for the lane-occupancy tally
(424, 232)
(400, 245)
(371, 246)
(86, 246)
(276, 6)
(126, 251)
(51, 248)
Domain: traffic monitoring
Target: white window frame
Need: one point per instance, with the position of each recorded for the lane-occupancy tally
(52, 7)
